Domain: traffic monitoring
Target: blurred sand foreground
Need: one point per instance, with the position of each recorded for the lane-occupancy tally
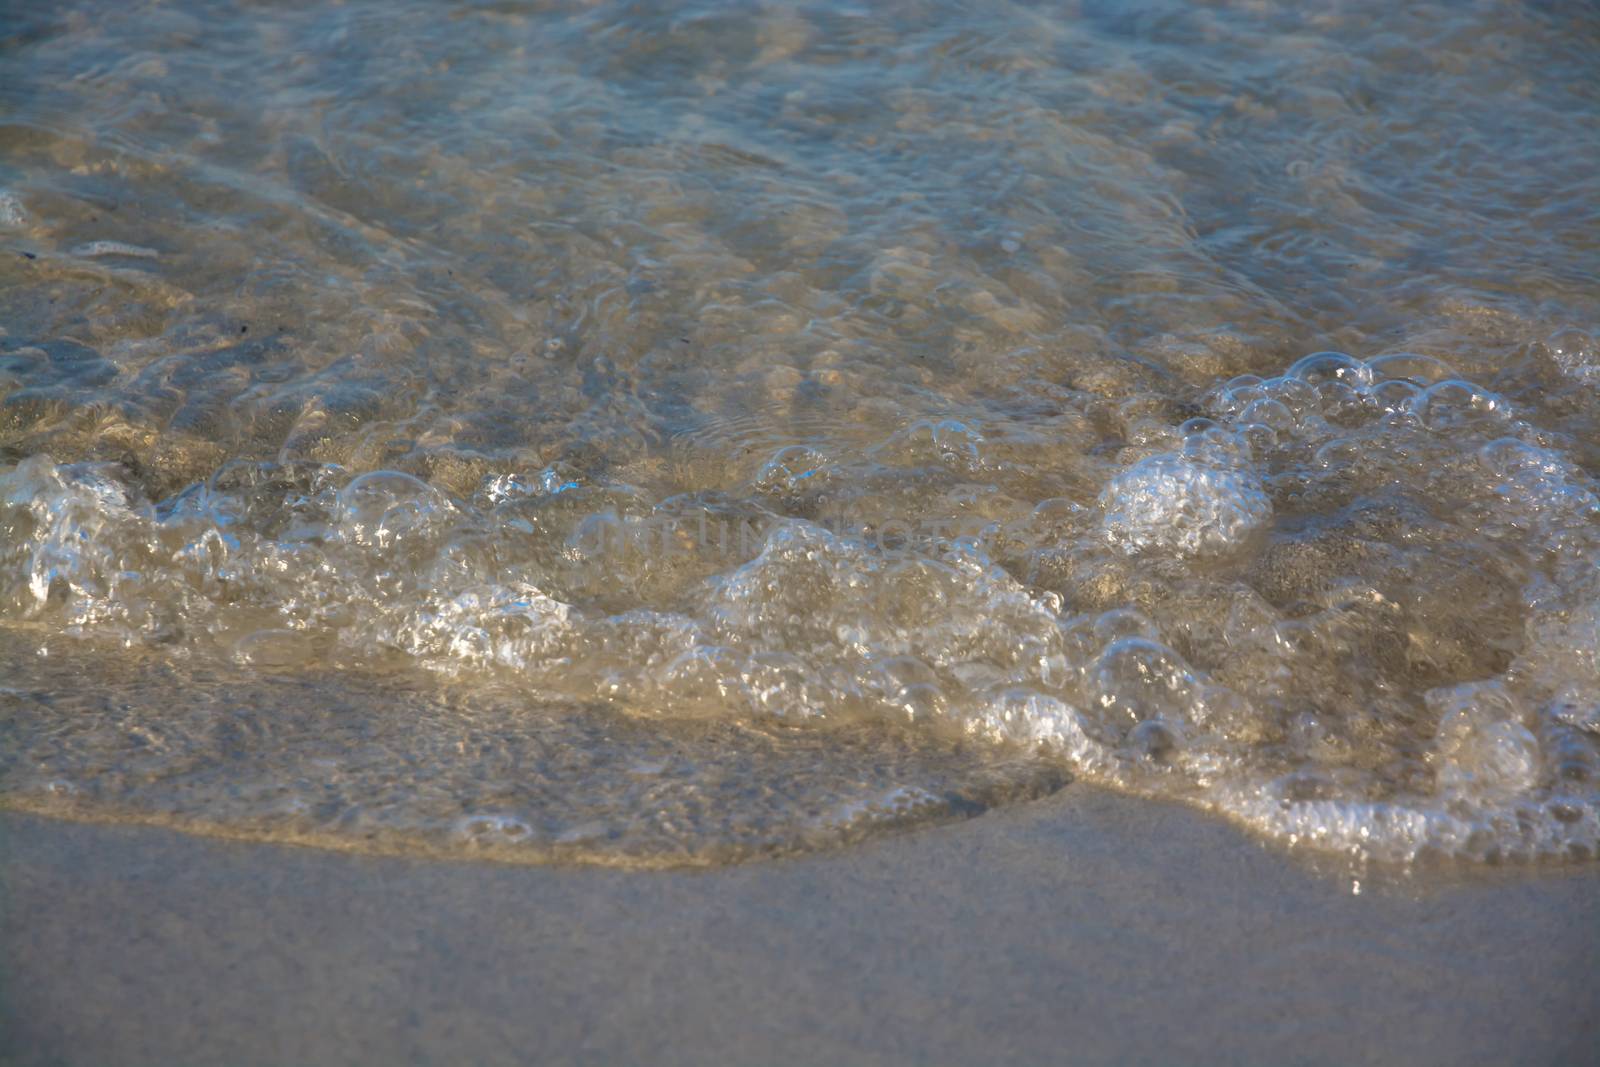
(1084, 928)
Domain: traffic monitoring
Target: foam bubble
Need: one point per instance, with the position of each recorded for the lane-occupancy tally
(1484, 758)
(1354, 608)
(1177, 504)
(1575, 351)
(12, 213)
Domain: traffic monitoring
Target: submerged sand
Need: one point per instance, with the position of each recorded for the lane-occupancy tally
(500, 429)
(1087, 927)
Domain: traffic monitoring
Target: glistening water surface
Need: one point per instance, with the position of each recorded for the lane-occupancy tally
(652, 433)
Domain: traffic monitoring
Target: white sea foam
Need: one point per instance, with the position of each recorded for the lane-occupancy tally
(1177, 504)
(278, 568)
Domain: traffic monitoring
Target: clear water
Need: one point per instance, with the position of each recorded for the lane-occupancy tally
(671, 433)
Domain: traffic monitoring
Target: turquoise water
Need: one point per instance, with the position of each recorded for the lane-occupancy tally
(672, 433)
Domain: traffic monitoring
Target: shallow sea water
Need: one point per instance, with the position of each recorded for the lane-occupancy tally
(649, 434)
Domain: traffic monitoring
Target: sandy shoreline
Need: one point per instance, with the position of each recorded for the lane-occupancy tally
(1087, 927)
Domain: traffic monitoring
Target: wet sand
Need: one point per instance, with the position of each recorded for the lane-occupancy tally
(1087, 927)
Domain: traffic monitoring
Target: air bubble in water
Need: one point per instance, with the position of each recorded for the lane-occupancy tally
(378, 509)
(1455, 406)
(1320, 368)
(1410, 367)
(1574, 351)
(1135, 679)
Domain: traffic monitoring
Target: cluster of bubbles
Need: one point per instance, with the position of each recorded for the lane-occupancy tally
(1375, 629)
(1189, 504)
(1403, 494)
